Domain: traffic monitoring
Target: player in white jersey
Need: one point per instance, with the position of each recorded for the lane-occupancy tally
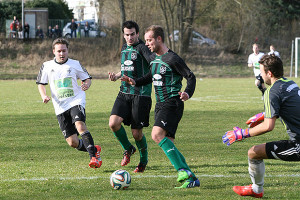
(253, 61)
(69, 98)
(273, 51)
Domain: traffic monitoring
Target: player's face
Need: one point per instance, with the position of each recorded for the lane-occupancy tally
(130, 36)
(264, 75)
(255, 49)
(60, 52)
(151, 42)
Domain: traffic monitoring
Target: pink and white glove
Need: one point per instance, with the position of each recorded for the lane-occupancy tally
(256, 119)
(237, 134)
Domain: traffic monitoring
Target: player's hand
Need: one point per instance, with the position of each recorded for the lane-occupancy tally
(112, 76)
(256, 119)
(46, 99)
(237, 134)
(84, 86)
(183, 96)
(128, 80)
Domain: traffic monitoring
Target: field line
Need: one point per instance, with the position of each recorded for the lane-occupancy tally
(140, 176)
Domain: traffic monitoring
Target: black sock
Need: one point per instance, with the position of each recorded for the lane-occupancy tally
(88, 142)
(81, 147)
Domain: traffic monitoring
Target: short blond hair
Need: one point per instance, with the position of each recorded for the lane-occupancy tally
(60, 41)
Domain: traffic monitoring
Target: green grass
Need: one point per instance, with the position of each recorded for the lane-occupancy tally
(37, 163)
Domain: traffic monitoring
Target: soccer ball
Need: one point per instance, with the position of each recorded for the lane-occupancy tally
(120, 179)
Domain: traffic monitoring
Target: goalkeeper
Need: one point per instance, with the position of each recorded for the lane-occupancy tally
(282, 101)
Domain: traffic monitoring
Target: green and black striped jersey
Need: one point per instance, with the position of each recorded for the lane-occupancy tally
(135, 62)
(166, 74)
(282, 99)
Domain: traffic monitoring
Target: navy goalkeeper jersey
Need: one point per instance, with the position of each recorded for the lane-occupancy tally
(282, 99)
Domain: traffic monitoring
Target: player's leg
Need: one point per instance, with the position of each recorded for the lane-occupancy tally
(259, 82)
(141, 107)
(141, 143)
(78, 118)
(256, 169)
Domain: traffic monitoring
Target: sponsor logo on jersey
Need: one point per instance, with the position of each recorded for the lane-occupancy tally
(127, 68)
(157, 76)
(163, 69)
(157, 83)
(128, 62)
(133, 56)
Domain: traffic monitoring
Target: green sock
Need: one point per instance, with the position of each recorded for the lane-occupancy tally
(142, 146)
(122, 137)
(176, 158)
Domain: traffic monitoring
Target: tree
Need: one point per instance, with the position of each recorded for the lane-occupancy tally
(57, 9)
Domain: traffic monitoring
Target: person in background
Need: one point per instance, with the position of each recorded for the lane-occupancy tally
(273, 51)
(69, 98)
(253, 61)
(73, 28)
(86, 29)
(49, 32)
(57, 32)
(39, 33)
(26, 30)
(20, 31)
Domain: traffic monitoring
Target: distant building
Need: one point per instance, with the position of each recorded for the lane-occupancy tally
(84, 9)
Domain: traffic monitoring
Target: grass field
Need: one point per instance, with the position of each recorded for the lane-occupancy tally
(37, 163)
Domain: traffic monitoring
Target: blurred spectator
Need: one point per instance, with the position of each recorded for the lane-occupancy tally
(273, 51)
(49, 32)
(86, 29)
(39, 33)
(26, 30)
(13, 28)
(20, 31)
(57, 32)
(73, 28)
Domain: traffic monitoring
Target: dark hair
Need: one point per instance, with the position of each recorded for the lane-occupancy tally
(157, 31)
(130, 25)
(60, 41)
(273, 64)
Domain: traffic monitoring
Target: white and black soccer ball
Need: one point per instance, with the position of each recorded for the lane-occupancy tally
(120, 179)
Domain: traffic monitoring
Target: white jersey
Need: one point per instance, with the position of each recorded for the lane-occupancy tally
(254, 60)
(276, 53)
(62, 78)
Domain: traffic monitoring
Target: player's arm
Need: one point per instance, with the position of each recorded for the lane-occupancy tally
(184, 71)
(113, 77)
(86, 84)
(42, 91)
(238, 134)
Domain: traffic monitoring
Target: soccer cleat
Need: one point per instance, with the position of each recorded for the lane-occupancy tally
(98, 154)
(94, 163)
(246, 191)
(183, 175)
(190, 184)
(127, 154)
(140, 168)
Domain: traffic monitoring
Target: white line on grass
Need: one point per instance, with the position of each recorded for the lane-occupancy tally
(140, 176)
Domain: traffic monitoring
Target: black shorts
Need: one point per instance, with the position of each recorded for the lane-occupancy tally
(134, 109)
(168, 115)
(259, 77)
(286, 150)
(67, 120)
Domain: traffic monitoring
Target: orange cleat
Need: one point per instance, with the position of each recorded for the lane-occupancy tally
(246, 191)
(98, 154)
(94, 163)
(127, 154)
(140, 168)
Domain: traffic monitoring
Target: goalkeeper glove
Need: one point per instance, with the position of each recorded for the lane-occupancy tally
(256, 119)
(236, 135)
